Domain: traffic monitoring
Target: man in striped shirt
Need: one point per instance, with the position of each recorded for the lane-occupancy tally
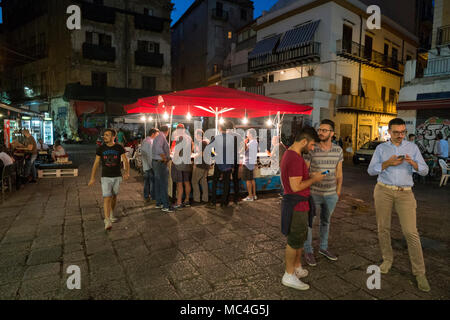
(326, 156)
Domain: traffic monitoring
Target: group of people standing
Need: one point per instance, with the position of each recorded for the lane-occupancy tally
(311, 174)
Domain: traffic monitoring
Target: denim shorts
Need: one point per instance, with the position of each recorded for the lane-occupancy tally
(110, 186)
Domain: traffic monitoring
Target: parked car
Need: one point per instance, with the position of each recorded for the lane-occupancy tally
(365, 153)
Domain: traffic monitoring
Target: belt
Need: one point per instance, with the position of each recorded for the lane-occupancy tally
(394, 187)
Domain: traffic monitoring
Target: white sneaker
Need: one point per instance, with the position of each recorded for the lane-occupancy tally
(111, 217)
(301, 273)
(248, 199)
(291, 281)
(255, 198)
(108, 224)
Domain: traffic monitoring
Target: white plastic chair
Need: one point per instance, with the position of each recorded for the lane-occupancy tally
(445, 172)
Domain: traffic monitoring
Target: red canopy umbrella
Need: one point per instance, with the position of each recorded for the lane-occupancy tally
(215, 101)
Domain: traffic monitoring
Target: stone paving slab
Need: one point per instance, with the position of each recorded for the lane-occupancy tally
(200, 253)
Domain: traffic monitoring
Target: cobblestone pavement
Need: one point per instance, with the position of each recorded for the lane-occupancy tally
(198, 253)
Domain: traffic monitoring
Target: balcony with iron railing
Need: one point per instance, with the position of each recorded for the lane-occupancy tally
(149, 59)
(219, 14)
(233, 70)
(364, 104)
(357, 52)
(97, 52)
(273, 61)
(150, 23)
(443, 36)
(438, 67)
(98, 13)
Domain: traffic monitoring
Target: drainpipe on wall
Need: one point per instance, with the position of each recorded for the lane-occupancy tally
(359, 79)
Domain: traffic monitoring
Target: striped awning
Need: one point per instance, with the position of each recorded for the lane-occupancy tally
(299, 36)
(265, 46)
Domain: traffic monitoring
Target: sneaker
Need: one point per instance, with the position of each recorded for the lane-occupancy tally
(186, 204)
(385, 267)
(108, 224)
(112, 218)
(255, 198)
(301, 273)
(328, 254)
(249, 199)
(310, 260)
(178, 206)
(422, 283)
(159, 206)
(211, 205)
(170, 209)
(291, 281)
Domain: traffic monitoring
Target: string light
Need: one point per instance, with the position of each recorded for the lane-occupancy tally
(188, 116)
(150, 118)
(245, 120)
(143, 118)
(221, 121)
(166, 116)
(269, 123)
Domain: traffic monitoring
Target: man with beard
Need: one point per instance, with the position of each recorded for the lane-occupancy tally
(296, 181)
(110, 155)
(395, 162)
(326, 156)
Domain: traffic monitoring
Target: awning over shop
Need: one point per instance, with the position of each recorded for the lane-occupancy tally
(21, 111)
(88, 107)
(424, 104)
(298, 37)
(264, 46)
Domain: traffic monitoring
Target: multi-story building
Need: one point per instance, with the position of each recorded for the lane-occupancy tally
(321, 53)
(121, 53)
(424, 101)
(202, 37)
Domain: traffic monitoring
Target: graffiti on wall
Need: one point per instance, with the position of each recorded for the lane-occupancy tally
(427, 132)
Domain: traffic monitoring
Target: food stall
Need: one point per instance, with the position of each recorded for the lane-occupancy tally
(220, 102)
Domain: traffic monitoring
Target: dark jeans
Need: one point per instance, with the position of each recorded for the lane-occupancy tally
(235, 176)
(149, 184)
(30, 168)
(226, 185)
(161, 183)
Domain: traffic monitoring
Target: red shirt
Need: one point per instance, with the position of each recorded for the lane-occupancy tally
(293, 165)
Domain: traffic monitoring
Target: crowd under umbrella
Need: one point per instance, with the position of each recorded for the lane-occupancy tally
(218, 101)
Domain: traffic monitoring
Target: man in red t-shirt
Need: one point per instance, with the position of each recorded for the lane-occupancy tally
(296, 180)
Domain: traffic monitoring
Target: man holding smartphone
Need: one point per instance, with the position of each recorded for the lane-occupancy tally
(395, 162)
(327, 159)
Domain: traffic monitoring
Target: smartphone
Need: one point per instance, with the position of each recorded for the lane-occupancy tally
(401, 157)
(326, 172)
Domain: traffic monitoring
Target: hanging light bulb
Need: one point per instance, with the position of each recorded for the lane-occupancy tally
(245, 120)
(166, 116)
(188, 116)
(269, 123)
(221, 121)
(150, 119)
(143, 118)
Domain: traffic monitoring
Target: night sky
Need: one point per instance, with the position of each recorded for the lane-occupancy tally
(182, 5)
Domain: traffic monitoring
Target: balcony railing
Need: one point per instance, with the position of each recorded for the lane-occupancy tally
(219, 14)
(443, 36)
(96, 52)
(257, 90)
(305, 54)
(357, 52)
(438, 67)
(145, 22)
(235, 69)
(98, 13)
(149, 59)
(365, 104)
